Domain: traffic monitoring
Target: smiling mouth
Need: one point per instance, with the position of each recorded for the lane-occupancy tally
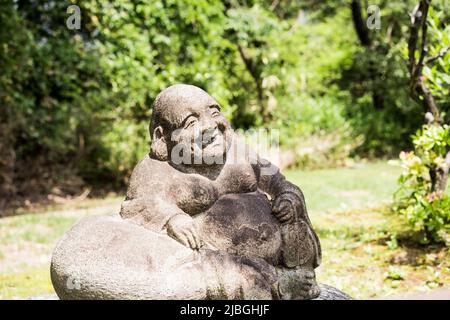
(209, 141)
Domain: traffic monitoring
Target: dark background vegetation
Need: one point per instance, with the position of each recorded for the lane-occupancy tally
(75, 104)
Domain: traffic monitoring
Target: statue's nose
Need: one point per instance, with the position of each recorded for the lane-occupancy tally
(208, 126)
(208, 132)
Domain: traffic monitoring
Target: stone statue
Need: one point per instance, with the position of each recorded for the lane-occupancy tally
(201, 220)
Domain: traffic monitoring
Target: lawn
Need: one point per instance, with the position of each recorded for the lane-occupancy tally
(365, 185)
(364, 248)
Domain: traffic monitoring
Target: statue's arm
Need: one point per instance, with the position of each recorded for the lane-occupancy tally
(282, 191)
(288, 204)
(150, 203)
(271, 181)
(147, 202)
(160, 213)
(152, 211)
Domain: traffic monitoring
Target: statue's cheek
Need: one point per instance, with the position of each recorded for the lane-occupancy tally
(223, 124)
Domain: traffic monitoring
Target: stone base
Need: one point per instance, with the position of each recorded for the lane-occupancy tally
(330, 293)
(327, 293)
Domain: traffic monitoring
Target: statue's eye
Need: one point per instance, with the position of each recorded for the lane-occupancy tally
(215, 113)
(190, 122)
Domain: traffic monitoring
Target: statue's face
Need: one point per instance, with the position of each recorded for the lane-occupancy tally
(201, 134)
(197, 133)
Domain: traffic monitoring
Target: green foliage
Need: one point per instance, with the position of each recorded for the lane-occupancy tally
(421, 197)
(80, 100)
(437, 74)
(377, 78)
(423, 208)
(310, 109)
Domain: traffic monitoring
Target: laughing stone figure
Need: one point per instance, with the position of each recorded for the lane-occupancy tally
(204, 218)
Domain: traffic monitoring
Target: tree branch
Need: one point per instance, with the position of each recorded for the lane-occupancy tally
(417, 85)
(274, 5)
(248, 62)
(429, 101)
(440, 176)
(441, 54)
(423, 46)
(414, 37)
(447, 159)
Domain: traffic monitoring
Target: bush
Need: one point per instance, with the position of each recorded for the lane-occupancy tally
(314, 133)
(427, 210)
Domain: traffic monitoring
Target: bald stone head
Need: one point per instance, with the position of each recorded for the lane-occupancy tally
(174, 103)
(186, 115)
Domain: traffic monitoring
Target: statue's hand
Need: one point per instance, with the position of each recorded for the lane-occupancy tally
(283, 207)
(184, 229)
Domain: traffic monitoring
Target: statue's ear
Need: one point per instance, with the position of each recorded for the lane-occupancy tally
(158, 148)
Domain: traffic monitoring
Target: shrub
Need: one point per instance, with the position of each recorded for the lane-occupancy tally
(426, 209)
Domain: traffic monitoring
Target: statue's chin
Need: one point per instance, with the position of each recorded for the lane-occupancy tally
(214, 154)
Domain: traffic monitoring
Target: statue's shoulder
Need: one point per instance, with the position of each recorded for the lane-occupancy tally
(150, 169)
(149, 174)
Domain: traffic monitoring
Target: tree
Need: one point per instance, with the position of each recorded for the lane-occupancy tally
(421, 196)
(419, 57)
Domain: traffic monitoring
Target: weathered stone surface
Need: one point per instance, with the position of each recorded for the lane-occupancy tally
(330, 293)
(201, 220)
(106, 257)
(326, 293)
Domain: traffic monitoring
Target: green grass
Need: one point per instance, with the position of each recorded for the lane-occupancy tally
(366, 185)
(368, 253)
(364, 248)
(27, 240)
(25, 283)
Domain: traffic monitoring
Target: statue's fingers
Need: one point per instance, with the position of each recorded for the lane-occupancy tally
(194, 233)
(278, 204)
(285, 214)
(284, 219)
(305, 294)
(280, 209)
(301, 293)
(190, 239)
(182, 239)
(196, 238)
(314, 292)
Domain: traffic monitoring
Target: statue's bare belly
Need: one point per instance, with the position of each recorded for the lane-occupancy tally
(242, 224)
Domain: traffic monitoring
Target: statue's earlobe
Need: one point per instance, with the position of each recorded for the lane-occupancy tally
(158, 148)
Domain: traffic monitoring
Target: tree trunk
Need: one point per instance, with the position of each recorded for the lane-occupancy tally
(417, 42)
(359, 22)
(419, 90)
(439, 176)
